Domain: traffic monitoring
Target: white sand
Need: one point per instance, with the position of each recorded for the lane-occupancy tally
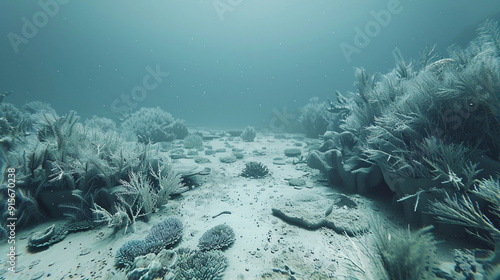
(263, 242)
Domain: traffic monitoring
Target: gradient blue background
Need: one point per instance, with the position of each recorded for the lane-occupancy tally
(228, 73)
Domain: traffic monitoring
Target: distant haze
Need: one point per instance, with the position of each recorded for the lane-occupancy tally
(229, 63)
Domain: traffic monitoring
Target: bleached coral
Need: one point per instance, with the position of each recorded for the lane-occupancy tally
(154, 124)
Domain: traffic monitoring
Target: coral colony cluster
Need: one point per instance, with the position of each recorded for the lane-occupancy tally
(428, 131)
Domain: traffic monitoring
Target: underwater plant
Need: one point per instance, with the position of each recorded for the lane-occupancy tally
(3, 233)
(464, 211)
(35, 107)
(217, 238)
(138, 196)
(255, 170)
(387, 255)
(426, 125)
(65, 156)
(166, 179)
(15, 116)
(454, 100)
(27, 210)
(117, 220)
(248, 134)
(82, 210)
(6, 131)
(141, 196)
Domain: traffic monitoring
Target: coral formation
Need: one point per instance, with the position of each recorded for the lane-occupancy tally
(165, 234)
(47, 237)
(102, 123)
(180, 129)
(248, 134)
(292, 152)
(56, 233)
(234, 132)
(154, 124)
(227, 159)
(255, 170)
(129, 251)
(193, 141)
(193, 264)
(314, 118)
(162, 236)
(217, 238)
(238, 155)
(152, 266)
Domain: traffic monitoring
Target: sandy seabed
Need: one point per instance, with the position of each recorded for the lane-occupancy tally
(266, 247)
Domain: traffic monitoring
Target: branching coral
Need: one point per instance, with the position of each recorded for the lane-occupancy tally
(218, 237)
(193, 264)
(129, 251)
(165, 234)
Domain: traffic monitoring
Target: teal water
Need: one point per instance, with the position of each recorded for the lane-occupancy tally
(229, 63)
